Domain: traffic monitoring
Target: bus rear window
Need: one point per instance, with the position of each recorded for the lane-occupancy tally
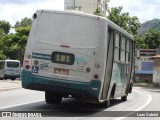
(55, 28)
(13, 64)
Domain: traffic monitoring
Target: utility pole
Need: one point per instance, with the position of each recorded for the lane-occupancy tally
(74, 4)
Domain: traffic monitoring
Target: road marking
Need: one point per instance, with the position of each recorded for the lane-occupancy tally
(146, 103)
(140, 108)
(1, 108)
(149, 99)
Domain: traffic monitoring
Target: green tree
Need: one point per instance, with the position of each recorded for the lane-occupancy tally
(25, 22)
(22, 45)
(9, 47)
(130, 24)
(20, 31)
(23, 33)
(152, 38)
(5, 25)
(13, 45)
(140, 43)
(148, 40)
(97, 12)
(2, 57)
(1, 33)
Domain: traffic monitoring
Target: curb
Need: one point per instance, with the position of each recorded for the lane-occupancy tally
(13, 85)
(8, 89)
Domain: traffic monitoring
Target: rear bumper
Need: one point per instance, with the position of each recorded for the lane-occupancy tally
(11, 76)
(87, 91)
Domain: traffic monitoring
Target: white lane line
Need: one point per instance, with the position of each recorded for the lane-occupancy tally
(140, 108)
(10, 106)
(146, 103)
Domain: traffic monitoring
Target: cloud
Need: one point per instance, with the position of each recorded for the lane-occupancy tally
(19, 1)
(144, 10)
(15, 12)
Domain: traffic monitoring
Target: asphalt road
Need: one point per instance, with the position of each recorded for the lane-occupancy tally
(141, 99)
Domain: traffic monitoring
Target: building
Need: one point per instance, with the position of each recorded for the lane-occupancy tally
(69, 4)
(156, 70)
(86, 6)
(144, 65)
(145, 54)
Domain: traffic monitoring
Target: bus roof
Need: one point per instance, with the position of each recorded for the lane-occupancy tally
(115, 26)
(10, 60)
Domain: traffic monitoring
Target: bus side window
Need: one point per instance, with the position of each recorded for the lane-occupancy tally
(127, 51)
(123, 48)
(117, 47)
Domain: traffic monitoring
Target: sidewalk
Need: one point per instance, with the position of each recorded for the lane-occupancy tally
(6, 85)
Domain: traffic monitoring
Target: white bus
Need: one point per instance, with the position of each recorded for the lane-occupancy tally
(9, 69)
(78, 55)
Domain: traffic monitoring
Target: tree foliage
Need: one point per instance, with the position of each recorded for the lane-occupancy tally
(13, 45)
(97, 12)
(140, 43)
(149, 40)
(25, 22)
(20, 31)
(152, 38)
(1, 33)
(5, 26)
(9, 47)
(130, 24)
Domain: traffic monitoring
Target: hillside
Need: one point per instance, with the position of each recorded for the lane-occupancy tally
(152, 24)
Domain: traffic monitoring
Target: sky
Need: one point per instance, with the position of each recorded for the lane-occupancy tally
(15, 10)
(144, 9)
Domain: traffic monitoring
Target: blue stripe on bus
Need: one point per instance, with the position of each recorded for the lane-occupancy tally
(92, 87)
(41, 56)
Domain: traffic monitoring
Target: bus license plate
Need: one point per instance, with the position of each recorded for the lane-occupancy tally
(61, 71)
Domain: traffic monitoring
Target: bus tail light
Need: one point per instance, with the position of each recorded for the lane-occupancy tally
(27, 67)
(26, 62)
(97, 72)
(96, 76)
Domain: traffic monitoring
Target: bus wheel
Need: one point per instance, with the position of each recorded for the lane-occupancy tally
(124, 98)
(48, 97)
(52, 98)
(130, 88)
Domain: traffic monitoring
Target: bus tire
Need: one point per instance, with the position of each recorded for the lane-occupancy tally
(130, 88)
(57, 99)
(48, 97)
(123, 98)
(52, 98)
